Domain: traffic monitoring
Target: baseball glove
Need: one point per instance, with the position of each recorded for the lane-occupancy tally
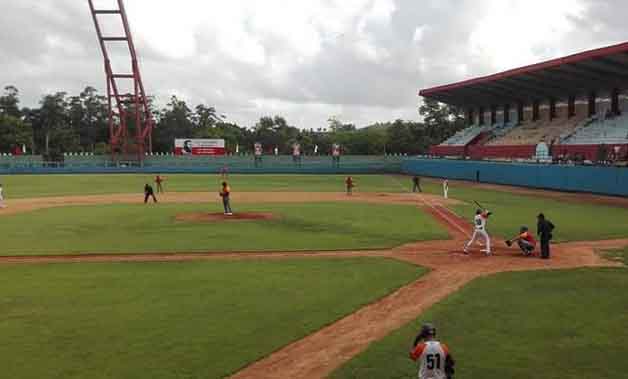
(509, 243)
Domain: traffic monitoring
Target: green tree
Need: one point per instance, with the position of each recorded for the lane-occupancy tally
(51, 126)
(10, 101)
(175, 121)
(441, 120)
(14, 132)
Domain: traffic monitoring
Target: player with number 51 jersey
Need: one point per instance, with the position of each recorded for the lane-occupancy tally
(432, 357)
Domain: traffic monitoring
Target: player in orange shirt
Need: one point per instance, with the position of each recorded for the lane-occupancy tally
(225, 193)
(525, 240)
(159, 183)
(349, 184)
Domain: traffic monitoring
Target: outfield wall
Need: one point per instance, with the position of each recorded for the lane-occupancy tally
(592, 179)
(209, 165)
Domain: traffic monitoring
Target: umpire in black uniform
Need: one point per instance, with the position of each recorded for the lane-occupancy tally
(148, 193)
(544, 231)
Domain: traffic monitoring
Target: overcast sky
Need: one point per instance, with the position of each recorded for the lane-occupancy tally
(360, 60)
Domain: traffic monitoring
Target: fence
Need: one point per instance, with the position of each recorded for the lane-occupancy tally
(234, 164)
(592, 179)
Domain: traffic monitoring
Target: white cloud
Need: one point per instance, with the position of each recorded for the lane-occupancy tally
(363, 60)
(513, 33)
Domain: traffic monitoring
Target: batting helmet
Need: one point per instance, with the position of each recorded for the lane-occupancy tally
(524, 229)
(428, 330)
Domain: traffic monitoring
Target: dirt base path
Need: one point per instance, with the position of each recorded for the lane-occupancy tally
(317, 355)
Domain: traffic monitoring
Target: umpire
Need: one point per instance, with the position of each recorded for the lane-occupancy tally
(544, 231)
(148, 193)
(416, 184)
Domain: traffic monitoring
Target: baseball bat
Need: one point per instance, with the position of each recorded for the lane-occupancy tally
(478, 204)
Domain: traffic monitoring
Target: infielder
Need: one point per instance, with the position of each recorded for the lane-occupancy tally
(159, 183)
(2, 205)
(479, 222)
(446, 189)
(349, 185)
(433, 357)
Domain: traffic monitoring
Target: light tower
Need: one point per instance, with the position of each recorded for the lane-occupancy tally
(130, 108)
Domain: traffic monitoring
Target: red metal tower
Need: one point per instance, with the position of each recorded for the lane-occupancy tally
(124, 108)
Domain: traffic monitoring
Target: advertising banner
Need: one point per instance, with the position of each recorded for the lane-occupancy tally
(199, 147)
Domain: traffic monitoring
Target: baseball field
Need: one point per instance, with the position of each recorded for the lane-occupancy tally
(304, 281)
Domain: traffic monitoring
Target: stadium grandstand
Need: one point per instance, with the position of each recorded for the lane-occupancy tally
(568, 109)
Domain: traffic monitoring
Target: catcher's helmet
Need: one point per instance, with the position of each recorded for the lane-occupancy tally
(428, 330)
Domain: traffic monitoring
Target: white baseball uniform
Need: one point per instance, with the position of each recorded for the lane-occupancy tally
(480, 230)
(1, 198)
(430, 357)
(446, 189)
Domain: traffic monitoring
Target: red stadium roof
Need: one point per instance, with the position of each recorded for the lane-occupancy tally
(575, 75)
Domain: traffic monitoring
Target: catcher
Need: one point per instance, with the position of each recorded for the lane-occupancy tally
(433, 357)
(525, 240)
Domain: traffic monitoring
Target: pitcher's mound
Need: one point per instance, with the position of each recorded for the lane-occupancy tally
(219, 217)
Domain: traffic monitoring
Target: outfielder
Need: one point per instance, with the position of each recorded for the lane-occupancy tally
(433, 357)
(296, 154)
(2, 205)
(258, 154)
(335, 155)
(446, 189)
(479, 222)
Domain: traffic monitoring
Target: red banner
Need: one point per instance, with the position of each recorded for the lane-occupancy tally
(196, 147)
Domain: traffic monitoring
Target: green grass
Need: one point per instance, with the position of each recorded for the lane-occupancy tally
(138, 228)
(175, 320)
(558, 325)
(574, 221)
(618, 255)
(25, 186)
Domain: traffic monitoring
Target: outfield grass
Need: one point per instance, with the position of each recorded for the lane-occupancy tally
(562, 324)
(25, 186)
(139, 228)
(574, 221)
(175, 320)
